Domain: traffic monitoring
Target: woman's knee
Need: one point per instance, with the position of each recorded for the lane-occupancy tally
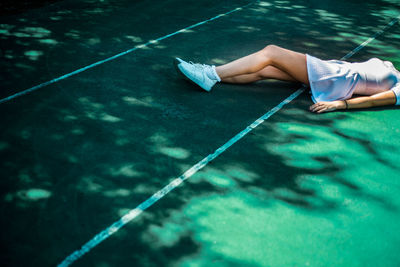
(271, 52)
(271, 49)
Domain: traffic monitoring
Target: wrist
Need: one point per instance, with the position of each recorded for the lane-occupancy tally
(342, 104)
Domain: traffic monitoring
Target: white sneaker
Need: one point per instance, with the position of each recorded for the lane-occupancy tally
(196, 73)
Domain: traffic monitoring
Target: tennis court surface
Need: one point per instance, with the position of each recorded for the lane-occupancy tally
(95, 121)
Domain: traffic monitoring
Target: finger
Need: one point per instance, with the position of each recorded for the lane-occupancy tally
(313, 109)
(320, 108)
(315, 106)
(325, 109)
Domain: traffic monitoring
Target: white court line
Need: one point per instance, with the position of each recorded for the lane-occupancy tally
(133, 213)
(34, 88)
(376, 35)
(172, 185)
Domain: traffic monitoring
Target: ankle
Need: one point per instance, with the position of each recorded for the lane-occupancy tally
(218, 72)
(215, 73)
(211, 73)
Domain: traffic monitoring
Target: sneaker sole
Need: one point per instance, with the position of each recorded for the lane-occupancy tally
(176, 63)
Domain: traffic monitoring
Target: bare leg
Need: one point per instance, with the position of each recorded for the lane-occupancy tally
(293, 63)
(268, 72)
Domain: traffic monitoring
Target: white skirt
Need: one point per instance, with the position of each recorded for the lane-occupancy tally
(330, 79)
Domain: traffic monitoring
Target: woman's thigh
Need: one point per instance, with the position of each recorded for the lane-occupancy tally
(291, 62)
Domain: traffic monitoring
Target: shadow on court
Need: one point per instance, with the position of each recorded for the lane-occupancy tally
(78, 154)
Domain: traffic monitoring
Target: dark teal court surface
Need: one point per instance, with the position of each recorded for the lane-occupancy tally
(77, 155)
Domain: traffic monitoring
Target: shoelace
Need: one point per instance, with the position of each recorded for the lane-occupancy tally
(197, 65)
(200, 67)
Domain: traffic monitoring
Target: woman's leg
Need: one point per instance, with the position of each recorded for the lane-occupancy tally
(293, 63)
(268, 72)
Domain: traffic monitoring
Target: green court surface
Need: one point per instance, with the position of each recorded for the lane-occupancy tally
(299, 190)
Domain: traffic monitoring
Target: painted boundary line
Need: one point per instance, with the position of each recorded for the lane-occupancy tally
(34, 88)
(172, 185)
(100, 237)
(376, 35)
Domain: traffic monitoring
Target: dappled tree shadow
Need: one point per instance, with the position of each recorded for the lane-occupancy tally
(80, 153)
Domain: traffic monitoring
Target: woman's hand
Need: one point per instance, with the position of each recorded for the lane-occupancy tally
(327, 106)
(380, 99)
